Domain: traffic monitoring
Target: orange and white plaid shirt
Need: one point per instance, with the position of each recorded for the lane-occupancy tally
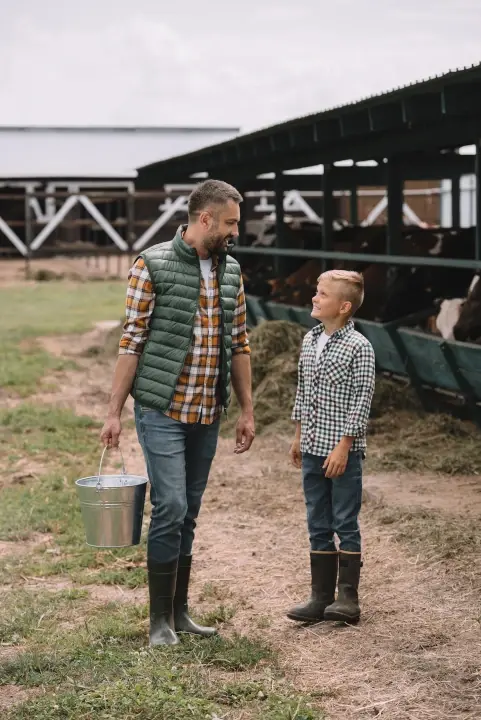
(196, 397)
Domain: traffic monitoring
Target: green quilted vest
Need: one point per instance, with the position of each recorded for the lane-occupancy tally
(174, 269)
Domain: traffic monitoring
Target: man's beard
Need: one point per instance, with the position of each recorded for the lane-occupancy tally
(217, 243)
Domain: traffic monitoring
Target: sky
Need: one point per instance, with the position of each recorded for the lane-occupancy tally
(248, 64)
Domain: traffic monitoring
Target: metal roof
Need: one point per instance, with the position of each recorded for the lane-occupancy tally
(95, 152)
(440, 112)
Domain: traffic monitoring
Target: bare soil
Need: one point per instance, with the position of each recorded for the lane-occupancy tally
(415, 655)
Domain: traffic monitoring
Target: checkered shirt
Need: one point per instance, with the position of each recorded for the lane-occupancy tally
(334, 394)
(196, 397)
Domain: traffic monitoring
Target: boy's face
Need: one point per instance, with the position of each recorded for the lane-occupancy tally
(328, 303)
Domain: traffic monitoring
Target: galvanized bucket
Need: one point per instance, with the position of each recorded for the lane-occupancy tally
(112, 507)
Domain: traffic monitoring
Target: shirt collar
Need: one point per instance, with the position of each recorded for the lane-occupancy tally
(345, 330)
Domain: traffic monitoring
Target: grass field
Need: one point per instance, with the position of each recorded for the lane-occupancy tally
(30, 311)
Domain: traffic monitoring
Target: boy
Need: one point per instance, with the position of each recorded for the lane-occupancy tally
(336, 380)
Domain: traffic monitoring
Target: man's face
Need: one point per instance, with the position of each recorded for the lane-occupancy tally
(328, 303)
(221, 225)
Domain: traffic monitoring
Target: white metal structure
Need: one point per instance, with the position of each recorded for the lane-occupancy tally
(96, 152)
(51, 216)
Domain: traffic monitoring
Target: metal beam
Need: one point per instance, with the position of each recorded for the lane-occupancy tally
(452, 132)
(455, 202)
(13, 237)
(242, 221)
(368, 258)
(353, 206)
(395, 200)
(280, 263)
(478, 201)
(177, 205)
(328, 209)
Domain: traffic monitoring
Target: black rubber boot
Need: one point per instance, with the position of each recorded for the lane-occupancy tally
(346, 607)
(182, 621)
(162, 578)
(323, 586)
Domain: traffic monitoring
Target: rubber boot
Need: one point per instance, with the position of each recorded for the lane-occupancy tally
(182, 620)
(162, 577)
(323, 586)
(346, 607)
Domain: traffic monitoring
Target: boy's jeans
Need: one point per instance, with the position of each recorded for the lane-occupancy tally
(178, 457)
(333, 504)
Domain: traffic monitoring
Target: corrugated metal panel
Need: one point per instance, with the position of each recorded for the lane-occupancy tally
(96, 152)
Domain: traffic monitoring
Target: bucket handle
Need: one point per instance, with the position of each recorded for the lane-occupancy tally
(124, 471)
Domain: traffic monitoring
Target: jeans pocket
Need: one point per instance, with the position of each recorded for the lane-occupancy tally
(144, 409)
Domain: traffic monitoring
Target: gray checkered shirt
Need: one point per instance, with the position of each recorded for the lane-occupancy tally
(334, 395)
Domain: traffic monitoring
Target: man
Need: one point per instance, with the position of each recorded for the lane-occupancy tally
(184, 340)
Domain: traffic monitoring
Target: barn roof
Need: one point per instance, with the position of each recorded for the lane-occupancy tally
(436, 113)
(96, 152)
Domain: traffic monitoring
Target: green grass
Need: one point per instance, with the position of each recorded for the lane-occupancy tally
(218, 616)
(51, 506)
(103, 669)
(59, 308)
(70, 445)
(44, 430)
(23, 614)
(21, 369)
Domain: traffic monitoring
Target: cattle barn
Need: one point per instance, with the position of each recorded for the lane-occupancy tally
(427, 131)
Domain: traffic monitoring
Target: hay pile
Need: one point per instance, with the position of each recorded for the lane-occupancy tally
(275, 348)
(402, 437)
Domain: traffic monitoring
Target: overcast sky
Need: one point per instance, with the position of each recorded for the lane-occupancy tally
(218, 62)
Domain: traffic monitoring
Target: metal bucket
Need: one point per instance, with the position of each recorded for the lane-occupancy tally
(112, 507)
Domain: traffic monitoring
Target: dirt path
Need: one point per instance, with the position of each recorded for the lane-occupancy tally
(408, 657)
(417, 652)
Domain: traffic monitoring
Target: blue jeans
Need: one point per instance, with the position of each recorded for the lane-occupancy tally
(333, 504)
(178, 457)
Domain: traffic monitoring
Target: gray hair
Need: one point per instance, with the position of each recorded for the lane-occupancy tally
(211, 192)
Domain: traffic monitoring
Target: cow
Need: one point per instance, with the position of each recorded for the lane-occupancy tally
(418, 288)
(468, 326)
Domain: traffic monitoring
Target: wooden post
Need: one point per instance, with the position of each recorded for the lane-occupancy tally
(395, 200)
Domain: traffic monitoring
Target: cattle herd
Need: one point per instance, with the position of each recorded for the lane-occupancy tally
(390, 293)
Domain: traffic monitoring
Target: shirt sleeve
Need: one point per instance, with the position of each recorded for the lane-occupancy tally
(364, 379)
(299, 401)
(139, 305)
(240, 341)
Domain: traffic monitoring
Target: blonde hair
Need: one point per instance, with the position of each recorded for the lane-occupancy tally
(352, 286)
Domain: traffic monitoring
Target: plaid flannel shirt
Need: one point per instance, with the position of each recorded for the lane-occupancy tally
(196, 397)
(334, 395)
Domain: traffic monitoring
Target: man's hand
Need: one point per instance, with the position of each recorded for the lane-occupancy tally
(244, 432)
(111, 431)
(336, 462)
(295, 453)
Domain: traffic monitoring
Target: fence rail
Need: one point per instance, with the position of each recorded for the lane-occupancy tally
(414, 260)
